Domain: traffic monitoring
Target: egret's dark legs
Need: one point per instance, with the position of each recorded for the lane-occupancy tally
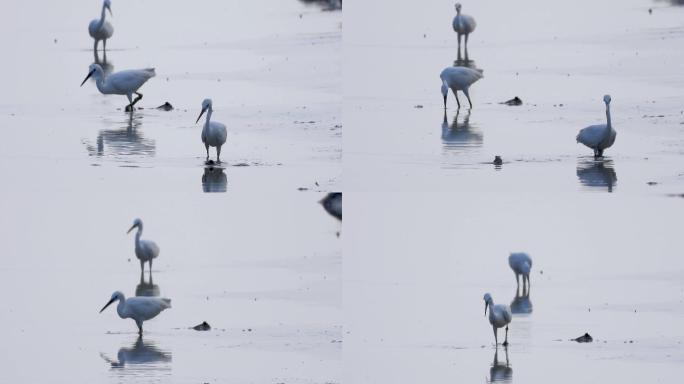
(600, 153)
(496, 338)
(139, 324)
(468, 96)
(459, 46)
(517, 280)
(218, 154)
(150, 267)
(466, 47)
(505, 343)
(207, 148)
(142, 268)
(457, 101)
(95, 46)
(104, 44)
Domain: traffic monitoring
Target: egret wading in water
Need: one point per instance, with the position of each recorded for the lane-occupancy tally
(499, 316)
(521, 264)
(120, 83)
(463, 25)
(101, 29)
(213, 132)
(145, 250)
(458, 79)
(601, 136)
(138, 308)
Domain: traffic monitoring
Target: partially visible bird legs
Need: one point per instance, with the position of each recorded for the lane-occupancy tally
(505, 343)
(142, 268)
(129, 107)
(207, 148)
(466, 48)
(468, 96)
(218, 154)
(600, 153)
(457, 101)
(139, 324)
(459, 47)
(104, 44)
(496, 339)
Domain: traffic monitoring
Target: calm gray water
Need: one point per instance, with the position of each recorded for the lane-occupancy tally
(257, 259)
(434, 221)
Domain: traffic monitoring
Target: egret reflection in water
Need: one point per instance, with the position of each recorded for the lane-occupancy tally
(214, 179)
(460, 136)
(123, 141)
(521, 303)
(597, 173)
(143, 353)
(500, 372)
(145, 288)
(106, 65)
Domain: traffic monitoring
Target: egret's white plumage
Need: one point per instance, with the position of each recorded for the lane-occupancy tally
(100, 29)
(458, 79)
(138, 308)
(601, 136)
(213, 133)
(499, 316)
(521, 264)
(120, 83)
(463, 25)
(145, 250)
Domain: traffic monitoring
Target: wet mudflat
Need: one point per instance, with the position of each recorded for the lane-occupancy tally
(437, 220)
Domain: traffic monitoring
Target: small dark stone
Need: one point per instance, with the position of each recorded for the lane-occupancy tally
(210, 162)
(418, 106)
(202, 327)
(498, 160)
(586, 338)
(650, 11)
(514, 101)
(165, 107)
(651, 183)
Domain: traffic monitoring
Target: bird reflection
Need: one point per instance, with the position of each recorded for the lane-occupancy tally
(597, 173)
(106, 65)
(214, 179)
(146, 288)
(500, 372)
(459, 62)
(521, 304)
(327, 5)
(460, 136)
(124, 141)
(141, 352)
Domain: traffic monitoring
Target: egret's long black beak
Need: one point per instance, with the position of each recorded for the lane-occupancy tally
(445, 97)
(200, 116)
(110, 12)
(87, 77)
(107, 305)
(486, 308)
(131, 228)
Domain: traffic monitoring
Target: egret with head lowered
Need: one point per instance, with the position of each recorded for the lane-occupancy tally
(600, 136)
(458, 79)
(100, 29)
(463, 25)
(213, 133)
(499, 317)
(521, 264)
(120, 83)
(138, 308)
(145, 250)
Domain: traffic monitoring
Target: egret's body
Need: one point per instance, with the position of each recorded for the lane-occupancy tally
(458, 79)
(213, 133)
(521, 264)
(601, 136)
(499, 316)
(145, 250)
(138, 308)
(120, 83)
(101, 29)
(463, 25)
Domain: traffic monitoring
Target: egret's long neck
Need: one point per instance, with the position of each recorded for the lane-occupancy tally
(121, 307)
(608, 125)
(102, 15)
(138, 234)
(209, 111)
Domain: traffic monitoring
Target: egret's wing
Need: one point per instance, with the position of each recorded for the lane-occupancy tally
(507, 313)
(469, 23)
(220, 131)
(129, 80)
(591, 136)
(147, 307)
(150, 247)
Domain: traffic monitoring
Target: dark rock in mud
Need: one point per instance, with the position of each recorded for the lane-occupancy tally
(514, 101)
(586, 338)
(202, 327)
(332, 203)
(166, 107)
(497, 160)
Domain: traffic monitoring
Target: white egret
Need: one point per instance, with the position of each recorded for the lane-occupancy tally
(521, 264)
(213, 132)
(463, 25)
(145, 250)
(458, 79)
(101, 29)
(120, 83)
(601, 136)
(138, 308)
(499, 316)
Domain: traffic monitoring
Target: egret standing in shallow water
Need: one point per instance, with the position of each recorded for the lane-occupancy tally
(120, 83)
(521, 264)
(499, 316)
(138, 308)
(101, 29)
(213, 132)
(458, 79)
(145, 250)
(463, 25)
(601, 136)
